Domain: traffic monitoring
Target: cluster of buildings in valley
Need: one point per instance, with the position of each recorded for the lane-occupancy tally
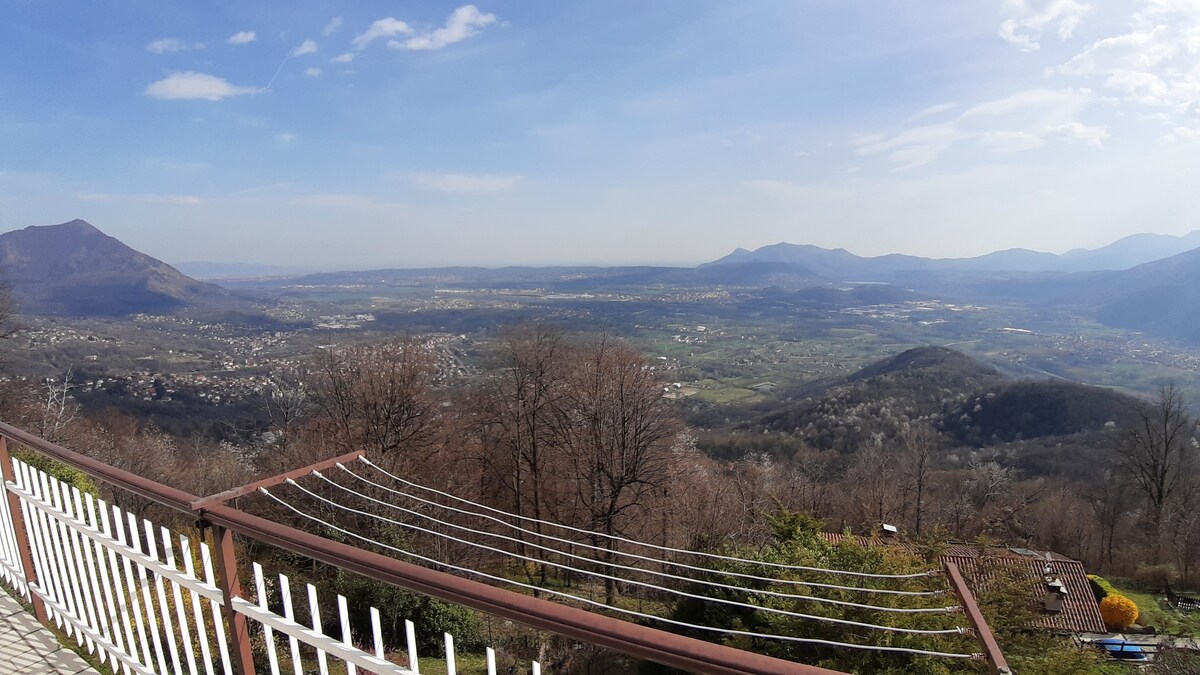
(228, 368)
(55, 333)
(924, 312)
(343, 321)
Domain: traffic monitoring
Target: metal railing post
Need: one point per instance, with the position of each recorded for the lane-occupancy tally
(231, 587)
(22, 538)
(997, 665)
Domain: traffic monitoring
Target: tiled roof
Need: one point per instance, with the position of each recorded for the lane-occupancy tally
(1080, 613)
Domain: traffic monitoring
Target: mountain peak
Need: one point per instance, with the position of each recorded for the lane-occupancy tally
(74, 268)
(78, 225)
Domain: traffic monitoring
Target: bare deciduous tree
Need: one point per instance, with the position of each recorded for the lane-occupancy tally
(873, 473)
(618, 430)
(1110, 504)
(516, 413)
(1156, 453)
(379, 398)
(917, 446)
(59, 408)
(287, 404)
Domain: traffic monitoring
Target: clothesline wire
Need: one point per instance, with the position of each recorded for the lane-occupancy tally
(621, 610)
(636, 556)
(635, 542)
(715, 584)
(643, 584)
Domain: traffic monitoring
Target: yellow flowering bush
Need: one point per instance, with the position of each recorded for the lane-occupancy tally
(1119, 612)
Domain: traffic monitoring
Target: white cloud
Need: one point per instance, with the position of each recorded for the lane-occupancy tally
(285, 139)
(1181, 134)
(343, 58)
(461, 24)
(171, 200)
(306, 47)
(1023, 121)
(1032, 101)
(165, 45)
(1028, 19)
(933, 110)
(388, 27)
(459, 183)
(1092, 135)
(331, 27)
(190, 85)
(313, 72)
(1156, 62)
(1011, 141)
(242, 38)
(917, 146)
(1138, 49)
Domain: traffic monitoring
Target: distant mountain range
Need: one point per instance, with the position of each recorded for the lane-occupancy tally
(841, 265)
(75, 269)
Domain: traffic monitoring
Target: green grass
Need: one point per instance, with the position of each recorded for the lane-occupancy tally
(724, 395)
(1163, 619)
(465, 664)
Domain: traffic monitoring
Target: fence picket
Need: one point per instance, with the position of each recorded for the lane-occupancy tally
(491, 661)
(185, 631)
(85, 613)
(285, 593)
(164, 608)
(38, 542)
(113, 616)
(87, 563)
(410, 635)
(131, 585)
(376, 632)
(218, 622)
(260, 588)
(59, 573)
(451, 668)
(63, 550)
(11, 564)
(344, 618)
(314, 613)
(189, 568)
(98, 510)
(147, 597)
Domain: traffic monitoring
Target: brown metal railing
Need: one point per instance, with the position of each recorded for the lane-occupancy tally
(638, 641)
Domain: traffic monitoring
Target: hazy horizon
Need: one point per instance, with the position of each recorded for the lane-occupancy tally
(502, 133)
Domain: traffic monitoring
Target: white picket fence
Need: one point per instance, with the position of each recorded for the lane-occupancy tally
(143, 600)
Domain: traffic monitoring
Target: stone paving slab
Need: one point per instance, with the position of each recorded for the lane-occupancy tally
(28, 648)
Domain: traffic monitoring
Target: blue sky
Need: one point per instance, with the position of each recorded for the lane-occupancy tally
(367, 134)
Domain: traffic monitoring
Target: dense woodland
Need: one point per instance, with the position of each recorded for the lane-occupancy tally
(575, 429)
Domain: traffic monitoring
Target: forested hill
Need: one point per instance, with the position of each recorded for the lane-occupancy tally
(843, 413)
(970, 403)
(1035, 409)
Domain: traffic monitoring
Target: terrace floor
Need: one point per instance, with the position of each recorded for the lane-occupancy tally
(29, 648)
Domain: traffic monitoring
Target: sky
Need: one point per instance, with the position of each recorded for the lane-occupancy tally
(327, 135)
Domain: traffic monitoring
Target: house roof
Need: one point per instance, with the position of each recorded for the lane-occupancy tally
(1080, 612)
